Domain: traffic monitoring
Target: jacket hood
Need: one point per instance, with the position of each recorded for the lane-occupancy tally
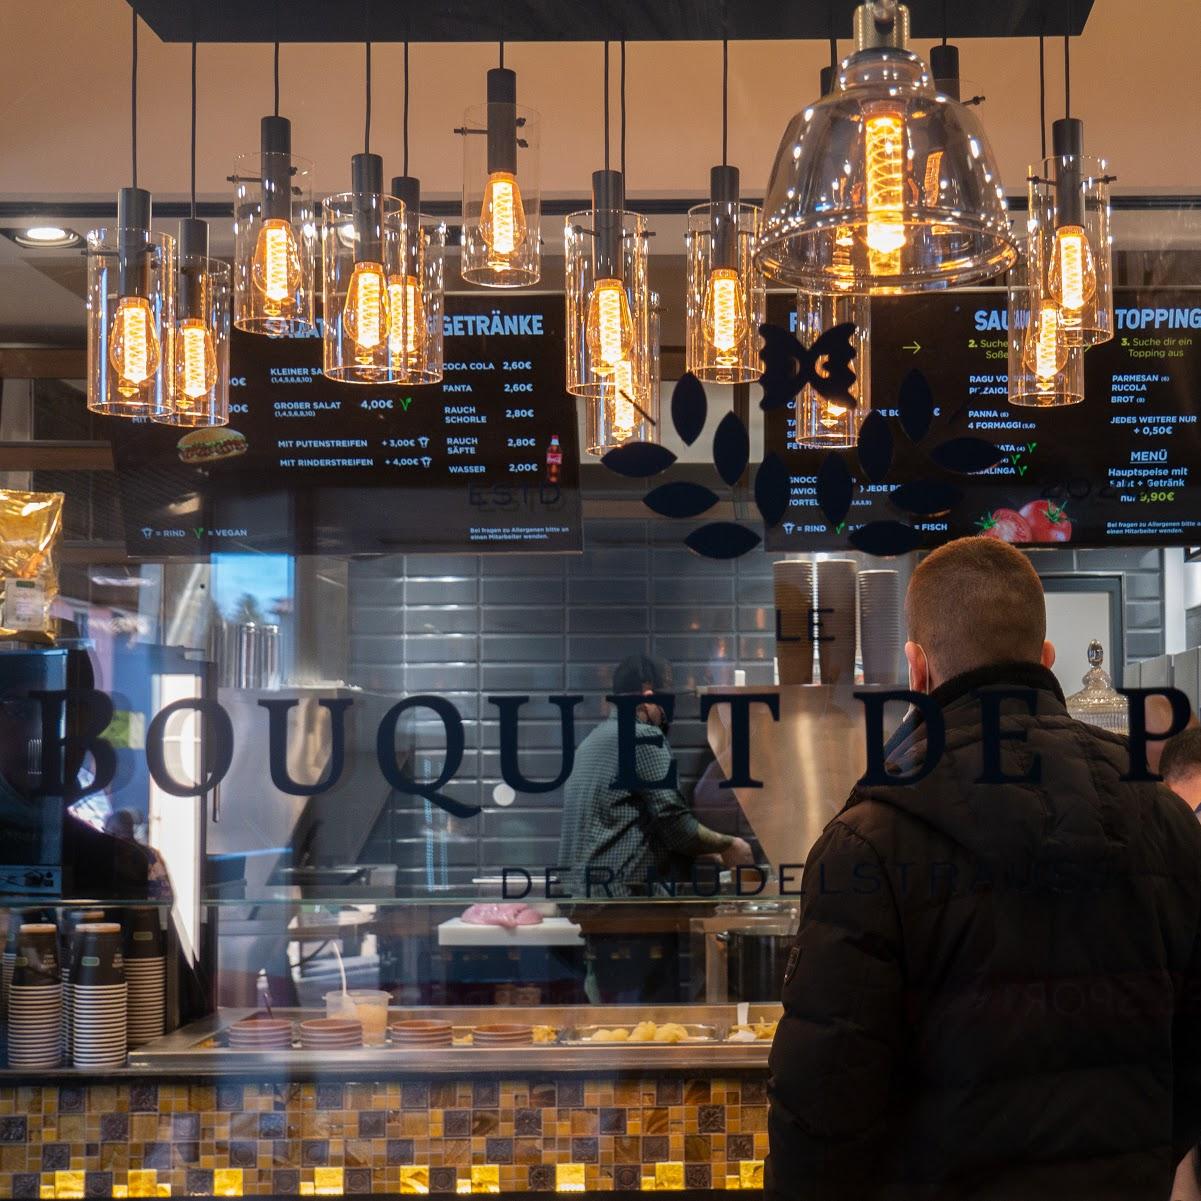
(1062, 802)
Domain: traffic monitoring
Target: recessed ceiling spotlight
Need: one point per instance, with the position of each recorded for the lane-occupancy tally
(44, 237)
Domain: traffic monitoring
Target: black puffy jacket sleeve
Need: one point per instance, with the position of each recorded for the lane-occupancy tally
(837, 1047)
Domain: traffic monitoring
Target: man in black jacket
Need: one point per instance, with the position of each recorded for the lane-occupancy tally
(995, 993)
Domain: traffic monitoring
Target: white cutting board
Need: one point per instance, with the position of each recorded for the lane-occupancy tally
(551, 932)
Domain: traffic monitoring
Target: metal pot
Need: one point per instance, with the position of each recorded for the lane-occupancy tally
(756, 965)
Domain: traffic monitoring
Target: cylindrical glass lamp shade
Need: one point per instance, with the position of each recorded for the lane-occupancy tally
(726, 295)
(833, 424)
(884, 186)
(1044, 371)
(1070, 245)
(201, 344)
(501, 242)
(131, 322)
(275, 245)
(362, 249)
(416, 303)
(609, 419)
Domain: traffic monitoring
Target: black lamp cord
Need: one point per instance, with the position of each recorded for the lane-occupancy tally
(193, 213)
(1067, 74)
(502, 54)
(606, 94)
(834, 55)
(133, 99)
(725, 101)
(405, 109)
(367, 105)
(276, 72)
(1042, 94)
(623, 109)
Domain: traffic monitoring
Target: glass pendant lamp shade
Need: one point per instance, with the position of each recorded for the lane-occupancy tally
(131, 314)
(726, 295)
(361, 252)
(203, 298)
(501, 243)
(884, 185)
(1070, 241)
(607, 420)
(1044, 370)
(833, 424)
(275, 237)
(608, 317)
(416, 291)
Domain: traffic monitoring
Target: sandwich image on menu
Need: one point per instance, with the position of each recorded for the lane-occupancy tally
(210, 444)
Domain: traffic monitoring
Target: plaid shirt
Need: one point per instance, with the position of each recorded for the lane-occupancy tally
(630, 834)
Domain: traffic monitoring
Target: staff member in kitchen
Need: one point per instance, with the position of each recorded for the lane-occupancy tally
(995, 991)
(614, 840)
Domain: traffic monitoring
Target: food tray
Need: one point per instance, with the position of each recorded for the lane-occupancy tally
(582, 1036)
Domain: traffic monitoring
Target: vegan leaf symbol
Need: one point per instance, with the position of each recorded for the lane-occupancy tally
(967, 455)
(885, 538)
(771, 489)
(916, 406)
(834, 488)
(680, 499)
(875, 446)
(722, 540)
(637, 460)
(689, 408)
(926, 498)
(731, 448)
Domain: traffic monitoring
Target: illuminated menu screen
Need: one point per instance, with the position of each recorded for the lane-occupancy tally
(486, 460)
(1121, 468)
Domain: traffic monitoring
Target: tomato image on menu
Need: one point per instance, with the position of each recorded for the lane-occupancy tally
(554, 460)
(1047, 521)
(1007, 525)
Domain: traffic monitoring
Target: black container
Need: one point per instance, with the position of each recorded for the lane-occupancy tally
(757, 965)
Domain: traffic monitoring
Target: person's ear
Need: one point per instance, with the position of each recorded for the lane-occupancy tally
(1047, 658)
(918, 670)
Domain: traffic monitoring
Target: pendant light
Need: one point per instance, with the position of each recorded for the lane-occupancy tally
(1069, 244)
(609, 354)
(884, 183)
(203, 295)
(415, 288)
(1044, 369)
(822, 422)
(131, 300)
(725, 291)
(275, 233)
(501, 246)
(361, 240)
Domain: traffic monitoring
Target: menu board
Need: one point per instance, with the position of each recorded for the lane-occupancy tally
(1121, 468)
(486, 460)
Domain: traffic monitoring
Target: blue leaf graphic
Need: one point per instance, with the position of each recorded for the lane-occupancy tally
(689, 408)
(967, 455)
(926, 498)
(834, 488)
(731, 448)
(885, 538)
(637, 460)
(680, 499)
(916, 406)
(771, 489)
(722, 540)
(875, 446)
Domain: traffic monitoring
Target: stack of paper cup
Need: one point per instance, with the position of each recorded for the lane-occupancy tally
(99, 997)
(880, 626)
(35, 999)
(836, 633)
(11, 926)
(793, 588)
(146, 974)
(70, 923)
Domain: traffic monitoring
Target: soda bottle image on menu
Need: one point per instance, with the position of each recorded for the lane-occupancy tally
(554, 460)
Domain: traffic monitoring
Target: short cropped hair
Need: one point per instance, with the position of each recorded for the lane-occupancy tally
(976, 602)
(1181, 755)
(637, 673)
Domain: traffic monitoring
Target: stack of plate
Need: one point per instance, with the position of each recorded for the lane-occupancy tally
(880, 626)
(502, 1034)
(836, 634)
(99, 997)
(321, 1034)
(35, 1000)
(793, 586)
(146, 974)
(421, 1034)
(260, 1034)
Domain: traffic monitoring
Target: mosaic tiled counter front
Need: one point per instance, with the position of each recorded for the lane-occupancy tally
(129, 1137)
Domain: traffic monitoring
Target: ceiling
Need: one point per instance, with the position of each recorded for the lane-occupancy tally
(64, 111)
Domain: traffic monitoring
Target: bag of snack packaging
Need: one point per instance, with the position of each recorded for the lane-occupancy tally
(30, 526)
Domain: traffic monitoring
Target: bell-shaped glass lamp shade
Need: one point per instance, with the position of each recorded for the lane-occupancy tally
(884, 186)
(275, 238)
(726, 296)
(361, 251)
(832, 423)
(1044, 370)
(131, 320)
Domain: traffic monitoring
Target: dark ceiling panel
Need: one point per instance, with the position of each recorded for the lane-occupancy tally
(584, 20)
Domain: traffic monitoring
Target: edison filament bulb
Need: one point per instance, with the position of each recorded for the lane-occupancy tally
(1072, 280)
(276, 270)
(502, 218)
(133, 347)
(622, 409)
(406, 321)
(196, 359)
(1046, 351)
(724, 316)
(365, 317)
(610, 328)
(884, 162)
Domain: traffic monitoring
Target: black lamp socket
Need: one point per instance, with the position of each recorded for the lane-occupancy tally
(133, 224)
(723, 214)
(608, 207)
(502, 120)
(1067, 143)
(275, 167)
